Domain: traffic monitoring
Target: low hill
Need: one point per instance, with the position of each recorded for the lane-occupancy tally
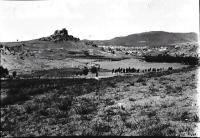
(54, 51)
(42, 53)
(153, 38)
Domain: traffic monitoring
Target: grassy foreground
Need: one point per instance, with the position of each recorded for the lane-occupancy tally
(153, 104)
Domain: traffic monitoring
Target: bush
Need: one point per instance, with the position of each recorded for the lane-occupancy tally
(112, 84)
(125, 88)
(65, 103)
(186, 116)
(155, 130)
(153, 90)
(85, 71)
(132, 83)
(3, 72)
(109, 101)
(140, 79)
(85, 106)
(132, 99)
(14, 74)
(173, 90)
(30, 107)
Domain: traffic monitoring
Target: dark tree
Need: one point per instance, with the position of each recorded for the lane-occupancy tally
(3, 72)
(94, 69)
(6, 71)
(14, 74)
(85, 71)
(86, 53)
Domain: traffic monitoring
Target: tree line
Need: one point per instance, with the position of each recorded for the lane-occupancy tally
(134, 70)
(172, 59)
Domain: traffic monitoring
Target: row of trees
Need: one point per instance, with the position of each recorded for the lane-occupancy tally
(176, 59)
(57, 73)
(133, 70)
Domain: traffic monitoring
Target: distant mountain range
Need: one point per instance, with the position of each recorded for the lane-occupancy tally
(153, 38)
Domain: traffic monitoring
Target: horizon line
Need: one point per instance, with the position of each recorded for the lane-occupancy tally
(108, 39)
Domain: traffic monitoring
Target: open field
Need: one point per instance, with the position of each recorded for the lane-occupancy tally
(99, 68)
(153, 104)
(50, 87)
(26, 56)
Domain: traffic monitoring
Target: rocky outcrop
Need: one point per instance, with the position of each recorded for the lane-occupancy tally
(60, 35)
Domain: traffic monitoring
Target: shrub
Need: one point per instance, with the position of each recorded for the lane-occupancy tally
(153, 90)
(85, 71)
(173, 90)
(14, 74)
(151, 113)
(3, 72)
(167, 103)
(117, 126)
(132, 83)
(132, 99)
(100, 126)
(112, 84)
(65, 103)
(155, 130)
(94, 69)
(144, 83)
(85, 106)
(140, 79)
(186, 116)
(30, 107)
(109, 101)
(125, 88)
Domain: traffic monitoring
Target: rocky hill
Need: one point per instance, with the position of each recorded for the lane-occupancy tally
(45, 52)
(51, 52)
(153, 38)
(60, 35)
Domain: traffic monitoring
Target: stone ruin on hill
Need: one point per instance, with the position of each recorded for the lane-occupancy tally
(60, 35)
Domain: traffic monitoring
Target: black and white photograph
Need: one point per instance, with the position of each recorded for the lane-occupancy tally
(100, 68)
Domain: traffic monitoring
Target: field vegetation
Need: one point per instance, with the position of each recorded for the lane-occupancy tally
(49, 86)
(151, 104)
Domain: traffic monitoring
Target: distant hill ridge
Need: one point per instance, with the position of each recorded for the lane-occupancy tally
(153, 38)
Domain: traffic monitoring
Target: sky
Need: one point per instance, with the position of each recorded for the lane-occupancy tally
(95, 19)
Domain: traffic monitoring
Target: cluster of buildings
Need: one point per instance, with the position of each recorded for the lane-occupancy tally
(183, 49)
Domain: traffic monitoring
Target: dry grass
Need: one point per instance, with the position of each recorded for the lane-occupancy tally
(117, 106)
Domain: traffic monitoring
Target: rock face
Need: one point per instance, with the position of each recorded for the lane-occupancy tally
(60, 35)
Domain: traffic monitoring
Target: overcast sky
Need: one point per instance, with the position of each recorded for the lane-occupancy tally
(95, 19)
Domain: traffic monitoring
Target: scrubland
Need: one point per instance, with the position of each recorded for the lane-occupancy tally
(151, 104)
